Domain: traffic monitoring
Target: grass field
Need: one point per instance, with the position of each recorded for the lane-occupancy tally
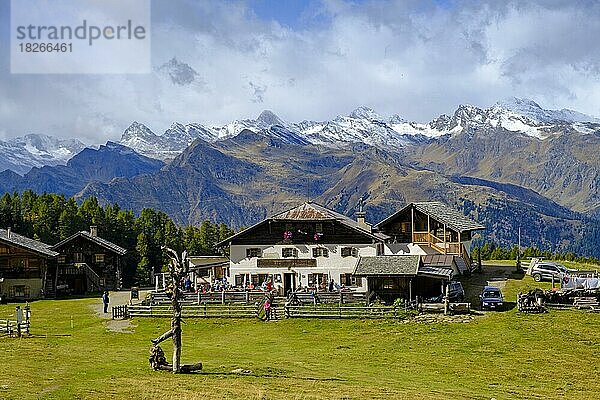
(501, 355)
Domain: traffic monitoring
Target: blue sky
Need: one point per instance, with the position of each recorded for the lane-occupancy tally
(317, 59)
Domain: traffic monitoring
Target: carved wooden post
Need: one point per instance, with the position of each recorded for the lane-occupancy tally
(178, 269)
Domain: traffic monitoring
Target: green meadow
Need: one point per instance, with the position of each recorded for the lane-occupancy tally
(498, 355)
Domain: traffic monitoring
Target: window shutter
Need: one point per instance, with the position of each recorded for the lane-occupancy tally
(354, 252)
(295, 252)
(248, 253)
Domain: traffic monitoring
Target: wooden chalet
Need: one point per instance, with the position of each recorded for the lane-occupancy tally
(86, 263)
(414, 252)
(430, 228)
(306, 246)
(24, 265)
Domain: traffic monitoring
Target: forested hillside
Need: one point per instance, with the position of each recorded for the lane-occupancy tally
(51, 218)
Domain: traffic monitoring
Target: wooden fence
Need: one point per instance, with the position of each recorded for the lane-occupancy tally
(120, 312)
(256, 311)
(342, 312)
(13, 327)
(242, 297)
(340, 297)
(196, 311)
(251, 297)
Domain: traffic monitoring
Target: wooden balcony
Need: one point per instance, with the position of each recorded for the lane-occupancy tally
(439, 244)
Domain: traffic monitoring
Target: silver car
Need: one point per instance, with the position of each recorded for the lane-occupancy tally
(547, 270)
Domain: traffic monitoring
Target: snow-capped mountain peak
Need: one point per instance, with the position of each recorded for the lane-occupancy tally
(364, 112)
(536, 113)
(268, 118)
(22, 153)
(137, 131)
(364, 125)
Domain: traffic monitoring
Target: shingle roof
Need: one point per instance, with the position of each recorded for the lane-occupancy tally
(310, 211)
(24, 242)
(98, 240)
(438, 260)
(442, 213)
(436, 272)
(406, 265)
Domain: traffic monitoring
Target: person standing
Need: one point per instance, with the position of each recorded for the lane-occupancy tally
(105, 301)
(268, 308)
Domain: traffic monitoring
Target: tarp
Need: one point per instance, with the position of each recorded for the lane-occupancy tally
(570, 282)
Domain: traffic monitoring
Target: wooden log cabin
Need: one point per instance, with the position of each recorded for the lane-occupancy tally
(87, 263)
(24, 265)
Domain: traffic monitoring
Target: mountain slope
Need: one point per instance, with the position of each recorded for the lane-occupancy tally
(564, 167)
(109, 161)
(23, 153)
(242, 179)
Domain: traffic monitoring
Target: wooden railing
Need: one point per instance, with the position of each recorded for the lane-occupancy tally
(466, 256)
(93, 279)
(421, 237)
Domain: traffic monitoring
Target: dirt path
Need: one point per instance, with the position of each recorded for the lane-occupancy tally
(117, 298)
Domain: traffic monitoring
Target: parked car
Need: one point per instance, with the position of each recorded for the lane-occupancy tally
(545, 270)
(491, 298)
(456, 293)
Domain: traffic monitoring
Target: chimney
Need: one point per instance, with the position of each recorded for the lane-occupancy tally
(360, 217)
(94, 230)
(8, 232)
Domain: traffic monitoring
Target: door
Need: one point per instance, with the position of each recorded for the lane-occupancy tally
(79, 286)
(289, 283)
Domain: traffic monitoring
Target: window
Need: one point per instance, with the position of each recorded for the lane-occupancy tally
(99, 258)
(19, 291)
(319, 228)
(62, 259)
(388, 283)
(241, 279)
(350, 280)
(320, 252)
(349, 251)
(78, 257)
(253, 252)
(4, 250)
(405, 227)
(318, 280)
(289, 252)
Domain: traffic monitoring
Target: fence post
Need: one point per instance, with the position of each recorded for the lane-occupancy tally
(247, 297)
(198, 301)
(19, 320)
(223, 297)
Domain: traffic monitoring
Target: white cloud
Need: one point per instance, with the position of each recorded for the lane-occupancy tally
(416, 59)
